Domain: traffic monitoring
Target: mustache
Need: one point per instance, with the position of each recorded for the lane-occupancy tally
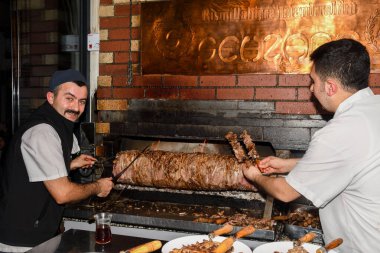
(72, 111)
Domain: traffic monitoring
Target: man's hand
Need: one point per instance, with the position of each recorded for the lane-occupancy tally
(274, 186)
(104, 186)
(272, 164)
(251, 172)
(83, 161)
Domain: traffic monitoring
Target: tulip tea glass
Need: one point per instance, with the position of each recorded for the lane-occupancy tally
(103, 228)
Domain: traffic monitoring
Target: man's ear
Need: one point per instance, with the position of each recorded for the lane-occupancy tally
(331, 87)
(50, 97)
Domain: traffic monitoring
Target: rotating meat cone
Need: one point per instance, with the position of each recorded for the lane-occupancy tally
(227, 243)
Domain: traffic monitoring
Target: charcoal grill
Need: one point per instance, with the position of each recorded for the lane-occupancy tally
(175, 209)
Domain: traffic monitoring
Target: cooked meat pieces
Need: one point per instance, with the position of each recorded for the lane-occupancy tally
(236, 147)
(175, 170)
(206, 246)
(298, 249)
(250, 145)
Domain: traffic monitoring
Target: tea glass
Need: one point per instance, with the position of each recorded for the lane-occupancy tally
(103, 233)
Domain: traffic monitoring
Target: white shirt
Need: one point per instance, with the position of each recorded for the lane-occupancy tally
(340, 174)
(42, 152)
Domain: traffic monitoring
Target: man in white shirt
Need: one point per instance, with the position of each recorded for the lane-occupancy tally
(35, 184)
(340, 171)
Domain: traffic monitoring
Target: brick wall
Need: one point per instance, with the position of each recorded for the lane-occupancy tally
(41, 26)
(275, 108)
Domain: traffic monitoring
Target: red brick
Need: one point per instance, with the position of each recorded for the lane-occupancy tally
(119, 80)
(45, 26)
(235, 93)
(46, 70)
(128, 93)
(136, 9)
(137, 80)
(114, 22)
(147, 80)
(162, 93)
(117, 34)
(376, 91)
(35, 92)
(374, 80)
(35, 59)
(44, 48)
(35, 15)
(197, 94)
(217, 80)
(120, 45)
(257, 80)
(180, 80)
(122, 10)
(112, 69)
(304, 94)
(51, 4)
(294, 80)
(38, 38)
(106, 2)
(296, 108)
(104, 93)
(35, 81)
(123, 57)
(276, 93)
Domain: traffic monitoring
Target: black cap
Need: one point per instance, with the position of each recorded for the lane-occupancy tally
(62, 76)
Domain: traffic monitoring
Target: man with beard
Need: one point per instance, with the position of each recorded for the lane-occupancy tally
(340, 171)
(35, 184)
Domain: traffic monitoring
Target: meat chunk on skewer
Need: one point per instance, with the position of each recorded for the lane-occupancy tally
(176, 170)
(206, 246)
(251, 147)
(236, 147)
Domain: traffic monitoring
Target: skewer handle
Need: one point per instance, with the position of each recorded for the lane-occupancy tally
(145, 248)
(308, 237)
(223, 230)
(225, 245)
(244, 232)
(334, 244)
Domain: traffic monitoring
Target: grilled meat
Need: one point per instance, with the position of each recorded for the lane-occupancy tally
(250, 145)
(187, 171)
(236, 147)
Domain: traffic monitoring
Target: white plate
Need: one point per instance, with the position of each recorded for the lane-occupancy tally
(283, 247)
(178, 243)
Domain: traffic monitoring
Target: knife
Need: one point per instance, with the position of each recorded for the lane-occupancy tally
(118, 175)
(335, 243)
(144, 248)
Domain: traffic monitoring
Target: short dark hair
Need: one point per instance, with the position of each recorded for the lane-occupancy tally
(346, 60)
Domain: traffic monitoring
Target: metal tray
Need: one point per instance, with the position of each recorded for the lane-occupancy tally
(294, 231)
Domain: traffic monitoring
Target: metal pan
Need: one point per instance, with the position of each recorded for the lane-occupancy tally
(295, 231)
